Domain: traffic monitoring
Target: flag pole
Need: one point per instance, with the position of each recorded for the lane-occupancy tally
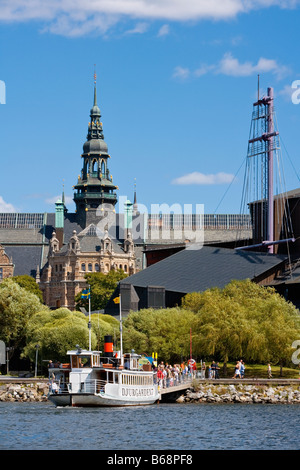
(121, 333)
(90, 324)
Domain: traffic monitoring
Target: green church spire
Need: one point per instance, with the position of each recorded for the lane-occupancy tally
(95, 185)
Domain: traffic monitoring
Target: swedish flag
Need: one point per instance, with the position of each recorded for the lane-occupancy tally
(86, 294)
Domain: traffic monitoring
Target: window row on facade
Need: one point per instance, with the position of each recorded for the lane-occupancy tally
(93, 267)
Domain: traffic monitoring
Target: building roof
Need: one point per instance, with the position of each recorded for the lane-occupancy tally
(90, 240)
(25, 258)
(195, 270)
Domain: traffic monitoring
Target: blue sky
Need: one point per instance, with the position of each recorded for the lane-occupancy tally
(175, 83)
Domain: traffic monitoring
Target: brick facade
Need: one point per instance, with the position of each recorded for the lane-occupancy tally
(6, 265)
(63, 276)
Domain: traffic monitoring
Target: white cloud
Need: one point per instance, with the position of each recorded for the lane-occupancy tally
(181, 72)
(231, 66)
(164, 30)
(6, 206)
(203, 70)
(202, 179)
(140, 28)
(287, 92)
(77, 17)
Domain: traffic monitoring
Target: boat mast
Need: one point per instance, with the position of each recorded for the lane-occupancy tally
(262, 146)
(121, 331)
(270, 135)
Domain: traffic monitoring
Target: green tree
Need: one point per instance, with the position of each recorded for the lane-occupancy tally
(102, 288)
(165, 331)
(103, 325)
(29, 283)
(17, 306)
(60, 330)
(57, 331)
(244, 320)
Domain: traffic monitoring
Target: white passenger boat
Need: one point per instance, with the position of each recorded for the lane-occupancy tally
(108, 379)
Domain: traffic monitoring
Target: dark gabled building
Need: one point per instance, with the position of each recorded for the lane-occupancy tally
(194, 270)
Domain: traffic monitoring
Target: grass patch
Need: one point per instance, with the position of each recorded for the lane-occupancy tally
(258, 371)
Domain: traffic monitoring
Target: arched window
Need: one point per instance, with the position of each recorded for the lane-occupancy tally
(83, 267)
(90, 267)
(97, 267)
(103, 167)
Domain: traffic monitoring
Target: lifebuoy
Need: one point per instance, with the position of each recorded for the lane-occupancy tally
(192, 363)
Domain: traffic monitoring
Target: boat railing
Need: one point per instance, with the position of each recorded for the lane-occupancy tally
(58, 387)
(167, 382)
(93, 386)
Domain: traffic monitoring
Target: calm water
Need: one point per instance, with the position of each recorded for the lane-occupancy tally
(41, 426)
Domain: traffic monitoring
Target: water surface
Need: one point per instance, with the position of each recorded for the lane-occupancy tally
(41, 426)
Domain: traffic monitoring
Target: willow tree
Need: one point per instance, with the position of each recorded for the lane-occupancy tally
(244, 320)
(57, 331)
(165, 331)
(17, 306)
(103, 325)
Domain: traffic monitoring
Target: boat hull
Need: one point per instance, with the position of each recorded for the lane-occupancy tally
(106, 400)
(60, 399)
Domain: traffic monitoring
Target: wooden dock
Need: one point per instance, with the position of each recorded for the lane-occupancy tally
(174, 391)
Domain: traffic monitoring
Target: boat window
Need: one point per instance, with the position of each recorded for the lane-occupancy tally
(84, 361)
(111, 377)
(96, 361)
(74, 362)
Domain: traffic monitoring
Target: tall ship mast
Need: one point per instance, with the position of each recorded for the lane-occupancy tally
(263, 164)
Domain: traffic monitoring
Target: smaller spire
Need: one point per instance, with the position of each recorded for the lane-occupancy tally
(135, 205)
(63, 193)
(95, 86)
(95, 111)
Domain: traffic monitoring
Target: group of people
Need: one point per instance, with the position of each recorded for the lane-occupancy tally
(239, 371)
(168, 375)
(213, 370)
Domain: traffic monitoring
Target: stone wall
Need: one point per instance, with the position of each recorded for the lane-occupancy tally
(31, 392)
(240, 393)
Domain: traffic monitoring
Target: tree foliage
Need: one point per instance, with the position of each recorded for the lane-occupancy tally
(60, 330)
(29, 283)
(56, 331)
(103, 325)
(102, 288)
(244, 320)
(166, 331)
(17, 306)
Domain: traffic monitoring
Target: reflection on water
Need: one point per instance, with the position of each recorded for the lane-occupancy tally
(41, 426)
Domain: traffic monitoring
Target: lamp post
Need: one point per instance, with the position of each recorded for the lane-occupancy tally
(8, 349)
(36, 358)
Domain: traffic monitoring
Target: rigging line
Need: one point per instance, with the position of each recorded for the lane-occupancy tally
(283, 200)
(229, 186)
(290, 158)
